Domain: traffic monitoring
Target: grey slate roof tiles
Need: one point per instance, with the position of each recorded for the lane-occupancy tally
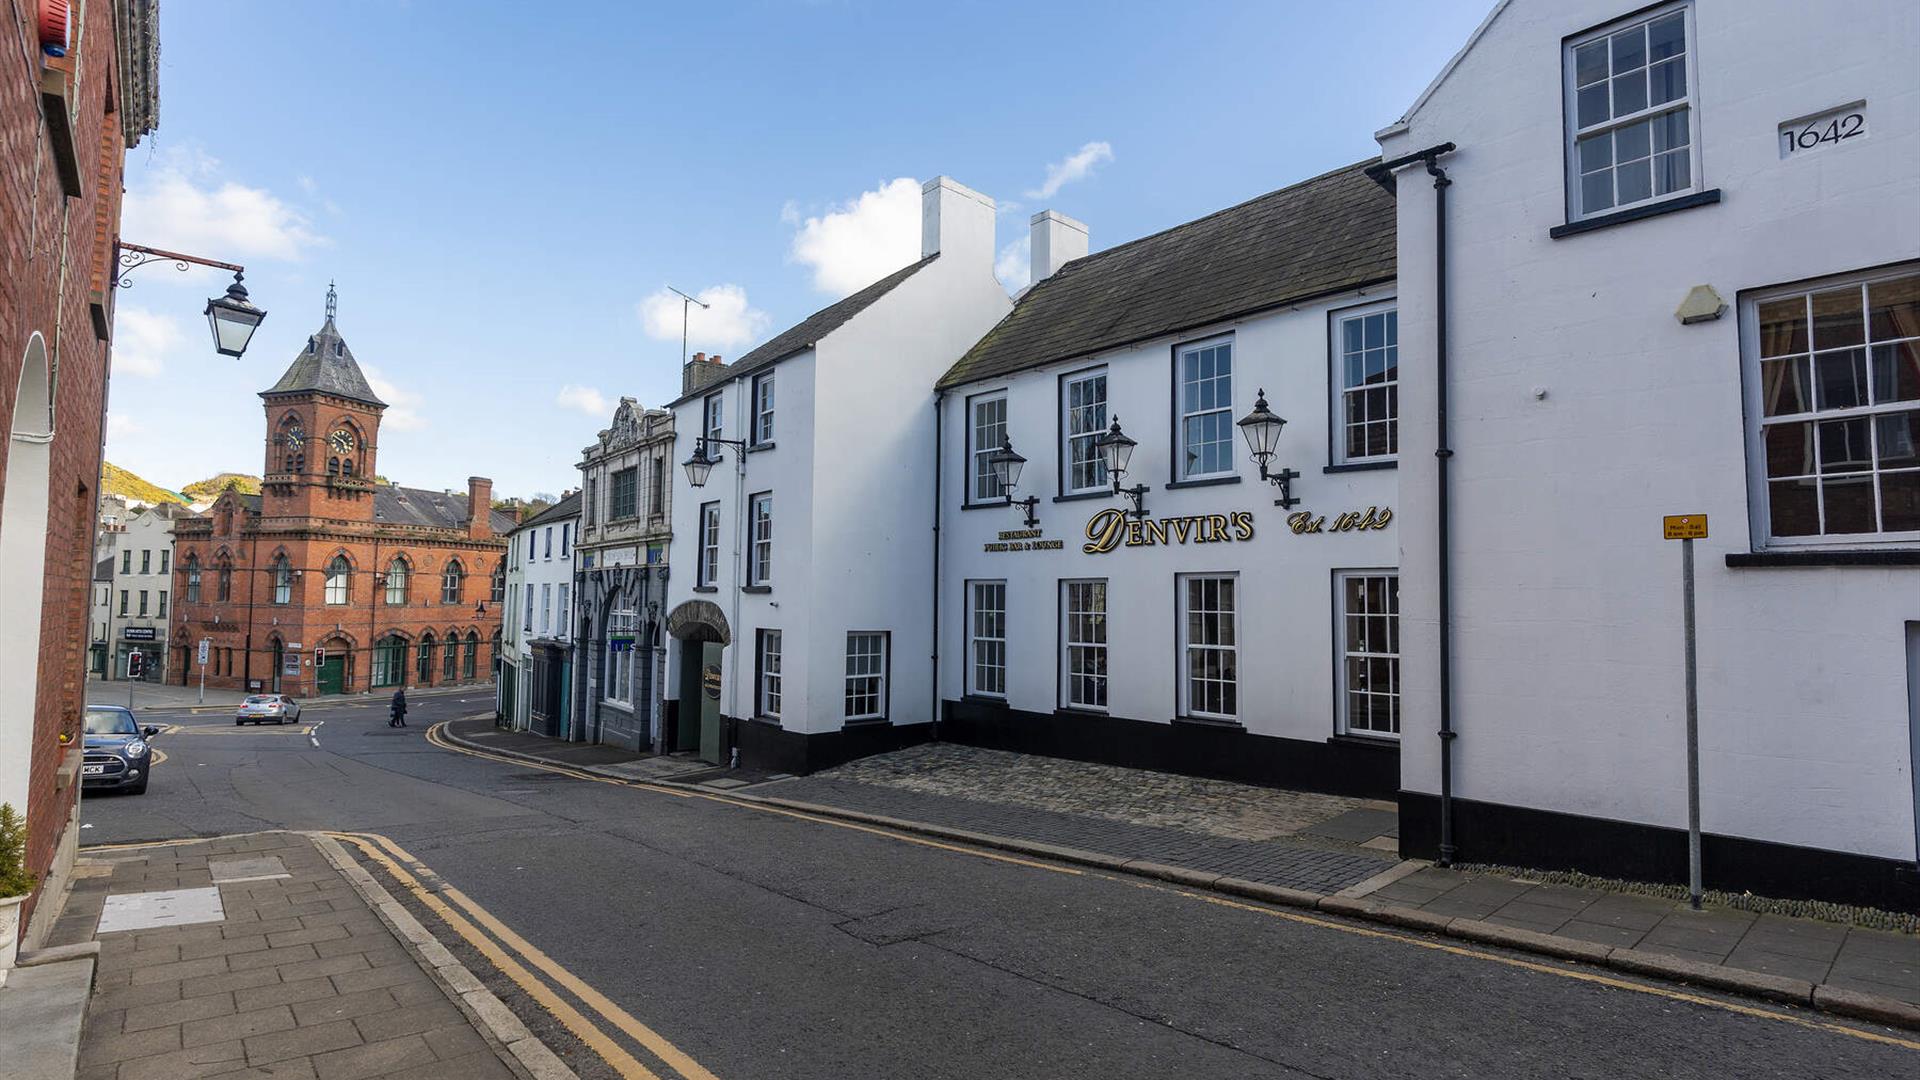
(326, 364)
(394, 505)
(565, 508)
(1324, 235)
(807, 332)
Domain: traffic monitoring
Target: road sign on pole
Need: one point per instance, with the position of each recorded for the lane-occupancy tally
(206, 645)
(1687, 528)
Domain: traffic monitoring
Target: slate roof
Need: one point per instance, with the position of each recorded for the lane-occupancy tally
(1325, 235)
(394, 505)
(103, 570)
(327, 365)
(806, 333)
(251, 502)
(565, 508)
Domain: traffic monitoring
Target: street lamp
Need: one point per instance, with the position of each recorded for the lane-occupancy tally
(1006, 466)
(700, 466)
(1116, 451)
(232, 318)
(1262, 429)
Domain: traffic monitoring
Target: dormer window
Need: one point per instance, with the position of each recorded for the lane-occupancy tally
(339, 348)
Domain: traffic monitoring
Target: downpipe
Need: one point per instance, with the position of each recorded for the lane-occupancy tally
(1382, 174)
(939, 419)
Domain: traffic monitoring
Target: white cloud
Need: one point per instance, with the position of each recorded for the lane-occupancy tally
(863, 240)
(403, 405)
(142, 339)
(1014, 267)
(584, 399)
(122, 424)
(182, 204)
(1075, 166)
(727, 320)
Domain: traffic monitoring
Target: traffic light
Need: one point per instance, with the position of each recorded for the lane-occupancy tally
(136, 661)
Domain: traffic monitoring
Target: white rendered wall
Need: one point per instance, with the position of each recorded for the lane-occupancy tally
(1567, 601)
(1285, 588)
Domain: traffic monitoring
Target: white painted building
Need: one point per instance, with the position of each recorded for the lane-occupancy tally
(801, 591)
(1212, 631)
(1609, 163)
(625, 534)
(140, 594)
(535, 687)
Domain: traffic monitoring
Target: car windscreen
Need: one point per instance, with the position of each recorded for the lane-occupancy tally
(259, 699)
(111, 722)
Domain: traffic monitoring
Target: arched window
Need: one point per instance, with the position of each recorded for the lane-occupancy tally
(390, 661)
(193, 579)
(333, 466)
(346, 466)
(500, 582)
(424, 668)
(397, 582)
(282, 580)
(450, 584)
(450, 660)
(339, 573)
(290, 443)
(223, 579)
(470, 662)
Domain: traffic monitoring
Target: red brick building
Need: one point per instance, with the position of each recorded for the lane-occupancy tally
(66, 122)
(330, 581)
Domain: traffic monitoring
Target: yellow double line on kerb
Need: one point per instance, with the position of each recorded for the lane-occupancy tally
(493, 939)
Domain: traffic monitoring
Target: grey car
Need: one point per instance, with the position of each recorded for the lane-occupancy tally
(267, 709)
(116, 754)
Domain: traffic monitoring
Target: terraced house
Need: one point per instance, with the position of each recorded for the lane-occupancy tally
(331, 580)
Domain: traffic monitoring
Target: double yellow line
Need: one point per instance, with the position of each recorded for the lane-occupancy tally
(515, 955)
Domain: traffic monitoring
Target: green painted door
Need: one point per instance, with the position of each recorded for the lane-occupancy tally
(710, 702)
(686, 729)
(333, 675)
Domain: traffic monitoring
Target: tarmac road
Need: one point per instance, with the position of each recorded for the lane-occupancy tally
(762, 944)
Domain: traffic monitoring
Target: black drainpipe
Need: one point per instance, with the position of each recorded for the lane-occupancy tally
(939, 397)
(1382, 174)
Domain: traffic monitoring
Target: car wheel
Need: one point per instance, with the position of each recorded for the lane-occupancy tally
(141, 787)
(237, 721)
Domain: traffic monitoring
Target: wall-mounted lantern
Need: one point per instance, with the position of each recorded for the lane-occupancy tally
(1116, 452)
(1262, 429)
(1006, 466)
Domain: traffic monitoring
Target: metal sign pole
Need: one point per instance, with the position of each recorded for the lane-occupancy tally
(1693, 733)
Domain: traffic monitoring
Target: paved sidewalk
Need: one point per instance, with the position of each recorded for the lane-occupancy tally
(483, 732)
(1848, 957)
(290, 974)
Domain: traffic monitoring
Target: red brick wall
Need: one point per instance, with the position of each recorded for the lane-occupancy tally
(45, 288)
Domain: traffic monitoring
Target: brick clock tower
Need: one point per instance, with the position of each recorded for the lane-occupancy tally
(332, 580)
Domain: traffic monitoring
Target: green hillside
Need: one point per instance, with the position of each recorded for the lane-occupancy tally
(115, 480)
(209, 489)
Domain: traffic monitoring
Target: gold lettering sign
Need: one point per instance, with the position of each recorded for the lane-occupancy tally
(1112, 528)
(1022, 540)
(1304, 522)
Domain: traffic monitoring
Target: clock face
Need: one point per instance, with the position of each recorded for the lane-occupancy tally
(343, 442)
(295, 438)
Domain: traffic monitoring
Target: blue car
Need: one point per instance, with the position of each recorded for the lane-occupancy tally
(116, 755)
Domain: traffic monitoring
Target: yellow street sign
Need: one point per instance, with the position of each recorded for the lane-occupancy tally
(1685, 526)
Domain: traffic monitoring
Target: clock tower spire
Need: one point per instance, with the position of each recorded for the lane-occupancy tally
(323, 422)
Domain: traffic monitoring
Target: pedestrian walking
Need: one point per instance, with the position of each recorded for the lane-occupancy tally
(398, 713)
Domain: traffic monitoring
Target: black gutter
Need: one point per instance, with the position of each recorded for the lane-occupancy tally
(939, 418)
(1382, 174)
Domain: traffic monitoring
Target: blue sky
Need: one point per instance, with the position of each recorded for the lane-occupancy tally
(499, 189)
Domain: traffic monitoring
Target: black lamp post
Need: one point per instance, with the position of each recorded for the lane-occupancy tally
(1116, 451)
(1262, 429)
(232, 317)
(1006, 466)
(700, 466)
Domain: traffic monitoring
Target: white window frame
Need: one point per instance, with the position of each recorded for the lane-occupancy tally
(763, 405)
(1570, 91)
(546, 610)
(337, 582)
(1367, 637)
(987, 638)
(714, 418)
(1077, 650)
(982, 487)
(565, 614)
(397, 583)
(1095, 426)
(760, 539)
(528, 627)
(1759, 494)
(1190, 650)
(1183, 416)
(1342, 390)
(707, 570)
(868, 666)
(767, 667)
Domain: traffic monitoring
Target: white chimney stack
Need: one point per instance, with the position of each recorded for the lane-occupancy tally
(1057, 241)
(956, 221)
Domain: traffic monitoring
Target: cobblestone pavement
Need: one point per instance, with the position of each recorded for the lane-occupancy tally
(1295, 864)
(295, 978)
(1136, 796)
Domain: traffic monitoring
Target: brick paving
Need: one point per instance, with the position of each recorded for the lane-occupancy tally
(1847, 957)
(299, 981)
(1294, 864)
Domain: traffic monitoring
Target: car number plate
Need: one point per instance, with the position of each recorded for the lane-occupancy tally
(92, 770)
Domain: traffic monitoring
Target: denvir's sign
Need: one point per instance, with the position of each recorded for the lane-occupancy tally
(1111, 528)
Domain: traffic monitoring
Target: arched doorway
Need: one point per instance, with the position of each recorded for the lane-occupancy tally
(333, 667)
(701, 635)
(23, 557)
